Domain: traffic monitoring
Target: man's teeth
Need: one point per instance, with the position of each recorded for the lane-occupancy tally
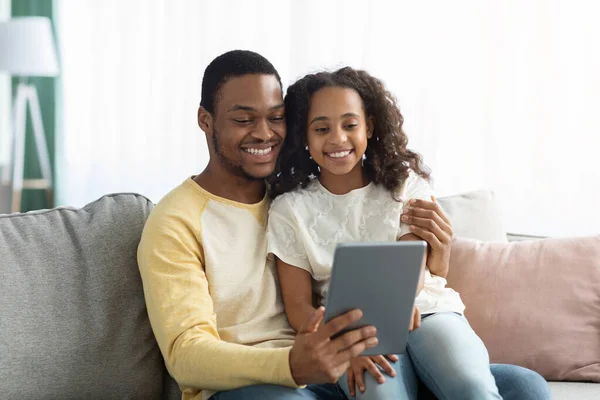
(259, 152)
(339, 154)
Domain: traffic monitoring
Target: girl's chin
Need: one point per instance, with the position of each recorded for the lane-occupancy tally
(340, 170)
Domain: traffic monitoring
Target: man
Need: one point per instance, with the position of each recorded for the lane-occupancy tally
(211, 292)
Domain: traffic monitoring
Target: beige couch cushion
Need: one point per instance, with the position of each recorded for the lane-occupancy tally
(475, 215)
(534, 303)
(575, 390)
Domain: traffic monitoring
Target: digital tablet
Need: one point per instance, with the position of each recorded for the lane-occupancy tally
(381, 280)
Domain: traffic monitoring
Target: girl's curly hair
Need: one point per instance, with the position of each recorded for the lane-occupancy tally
(387, 160)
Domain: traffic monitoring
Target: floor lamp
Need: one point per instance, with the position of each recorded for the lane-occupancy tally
(27, 49)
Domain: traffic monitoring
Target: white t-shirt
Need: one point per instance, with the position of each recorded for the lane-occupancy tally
(305, 225)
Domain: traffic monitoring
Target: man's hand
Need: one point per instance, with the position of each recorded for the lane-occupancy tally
(428, 221)
(315, 358)
(360, 364)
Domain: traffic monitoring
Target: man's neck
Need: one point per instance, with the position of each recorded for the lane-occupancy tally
(231, 187)
(342, 184)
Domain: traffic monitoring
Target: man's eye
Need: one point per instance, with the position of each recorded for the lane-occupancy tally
(280, 118)
(243, 121)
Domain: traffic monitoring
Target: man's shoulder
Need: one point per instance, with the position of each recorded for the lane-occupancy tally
(173, 225)
(182, 203)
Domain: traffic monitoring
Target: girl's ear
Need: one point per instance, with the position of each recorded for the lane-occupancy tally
(370, 127)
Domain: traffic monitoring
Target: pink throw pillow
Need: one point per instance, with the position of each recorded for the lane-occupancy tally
(534, 303)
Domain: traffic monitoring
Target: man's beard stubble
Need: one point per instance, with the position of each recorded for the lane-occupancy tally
(234, 168)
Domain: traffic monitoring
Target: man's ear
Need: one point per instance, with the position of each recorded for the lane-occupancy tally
(370, 127)
(205, 121)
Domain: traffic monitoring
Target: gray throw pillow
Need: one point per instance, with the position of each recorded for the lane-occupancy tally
(73, 318)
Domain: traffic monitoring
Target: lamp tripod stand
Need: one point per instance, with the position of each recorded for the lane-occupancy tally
(27, 94)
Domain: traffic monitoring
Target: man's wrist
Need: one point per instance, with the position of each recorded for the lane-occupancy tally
(296, 377)
(441, 270)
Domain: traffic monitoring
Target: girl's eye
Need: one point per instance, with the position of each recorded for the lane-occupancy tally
(351, 126)
(321, 130)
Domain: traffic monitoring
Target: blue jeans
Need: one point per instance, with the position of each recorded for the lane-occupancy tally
(514, 383)
(445, 359)
(273, 392)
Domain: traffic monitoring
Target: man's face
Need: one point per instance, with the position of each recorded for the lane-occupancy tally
(249, 125)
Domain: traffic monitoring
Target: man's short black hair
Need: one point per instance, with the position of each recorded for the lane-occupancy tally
(228, 65)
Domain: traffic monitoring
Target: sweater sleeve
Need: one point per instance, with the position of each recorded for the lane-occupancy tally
(181, 313)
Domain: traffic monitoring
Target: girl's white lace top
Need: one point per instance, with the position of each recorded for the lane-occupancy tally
(305, 225)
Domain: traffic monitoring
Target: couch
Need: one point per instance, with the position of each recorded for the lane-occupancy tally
(73, 320)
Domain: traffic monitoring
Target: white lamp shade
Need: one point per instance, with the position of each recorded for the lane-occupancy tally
(27, 47)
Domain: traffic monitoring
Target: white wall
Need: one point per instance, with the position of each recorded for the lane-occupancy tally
(495, 94)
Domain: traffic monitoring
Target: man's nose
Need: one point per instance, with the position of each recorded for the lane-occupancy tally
(263, 131)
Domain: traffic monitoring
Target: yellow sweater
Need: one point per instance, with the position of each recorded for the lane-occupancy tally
(212, 294)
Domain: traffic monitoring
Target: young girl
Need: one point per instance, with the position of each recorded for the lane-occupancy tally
(345, 175)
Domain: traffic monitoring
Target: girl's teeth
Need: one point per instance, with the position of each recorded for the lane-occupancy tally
(259, 152)
(339, 154)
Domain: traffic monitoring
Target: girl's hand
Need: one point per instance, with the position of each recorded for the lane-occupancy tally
(361, 364)
(358, 365)
(415, 320)
(428, 221)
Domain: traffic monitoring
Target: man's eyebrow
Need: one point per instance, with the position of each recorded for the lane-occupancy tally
(239, 107)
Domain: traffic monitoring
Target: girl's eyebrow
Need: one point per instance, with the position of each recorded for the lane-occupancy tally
(324, 118)
(321, 118)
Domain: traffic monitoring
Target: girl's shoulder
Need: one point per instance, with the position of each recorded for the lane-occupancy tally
(295, 198)
(413, 186)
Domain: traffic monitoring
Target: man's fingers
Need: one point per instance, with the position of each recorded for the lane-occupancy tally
(440, 211)
(429, 219)
(358, 337)
(384, 364)
(313, 322)
(428, 225)
(430, 205)
(426, 235)
(338, 324)
(351, 381)
(355, 351)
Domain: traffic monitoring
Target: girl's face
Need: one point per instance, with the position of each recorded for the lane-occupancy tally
(337, 130)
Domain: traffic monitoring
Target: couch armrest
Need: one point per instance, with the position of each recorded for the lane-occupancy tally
(517, 237)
